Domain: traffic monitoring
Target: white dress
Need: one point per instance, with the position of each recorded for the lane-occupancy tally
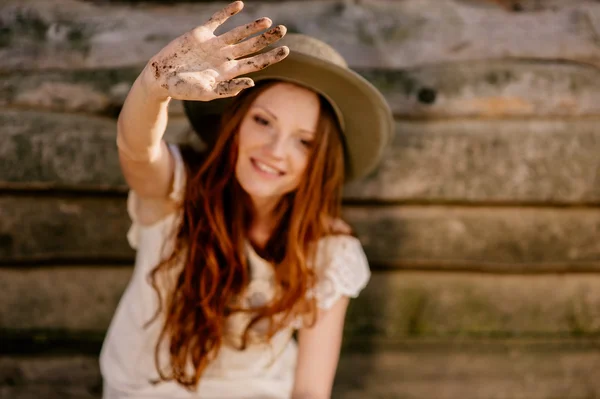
(263, 370)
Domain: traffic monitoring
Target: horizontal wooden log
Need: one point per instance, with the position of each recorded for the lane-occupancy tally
(98, 91)
(393, 306)
(511, 5)
(459, 89)
(74, 34)
(58, 229)
(53, 150)
(519, 6)
(529, 161)
(417, 304)
(41, 229)
(446, 371)
(453, 373)
(73, 377)
(509, 239)
(67, 298)
(490, 89)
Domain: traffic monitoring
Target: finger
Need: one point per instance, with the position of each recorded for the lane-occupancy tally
(261, 61)
(257, 43)
(223, 15)
(241, 32)
(230, 88)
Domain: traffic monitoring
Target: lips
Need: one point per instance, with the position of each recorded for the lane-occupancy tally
(266, 169)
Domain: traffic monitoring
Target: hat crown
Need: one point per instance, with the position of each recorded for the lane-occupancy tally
(312, 47)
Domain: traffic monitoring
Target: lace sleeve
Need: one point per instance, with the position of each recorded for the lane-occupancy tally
(177, 194)
(342, 270)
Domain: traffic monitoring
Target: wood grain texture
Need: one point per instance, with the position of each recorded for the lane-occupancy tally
(73, 34)
(445, 370)
(490, 89)
(488, 239)
(43, 150)
(528, 161)
(510, 162)
(93, 230)
(400, 305)
(94, 91)
(486, 89)
(68, 229)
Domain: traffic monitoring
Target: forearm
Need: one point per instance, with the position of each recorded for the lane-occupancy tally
(309, 395)
(142, 121)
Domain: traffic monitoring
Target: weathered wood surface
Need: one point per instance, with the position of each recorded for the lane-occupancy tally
(72, 34)
(41, 229)
(490, 89)
(520, 5)
(35, 229)
(533, 161)
(501, 239)
(519, 161)
(456, 373)
(72, 377)
(53, 150)
(95, 91)
(393, 306)
(446, 370)
(460, 89)
(510, 5)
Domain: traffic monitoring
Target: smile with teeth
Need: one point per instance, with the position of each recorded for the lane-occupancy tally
(266, 168)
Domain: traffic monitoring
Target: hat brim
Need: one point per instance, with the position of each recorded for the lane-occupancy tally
(366, 119)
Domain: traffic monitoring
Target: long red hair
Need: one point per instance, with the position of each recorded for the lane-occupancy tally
(211, 244)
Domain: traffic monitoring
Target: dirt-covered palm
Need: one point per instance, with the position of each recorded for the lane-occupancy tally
(201, 66)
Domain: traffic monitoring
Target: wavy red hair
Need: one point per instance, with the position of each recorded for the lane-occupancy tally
(211, 244)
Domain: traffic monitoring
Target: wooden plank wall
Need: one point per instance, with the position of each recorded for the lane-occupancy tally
(482, 224)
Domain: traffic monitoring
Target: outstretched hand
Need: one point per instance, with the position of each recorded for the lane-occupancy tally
(201, 66)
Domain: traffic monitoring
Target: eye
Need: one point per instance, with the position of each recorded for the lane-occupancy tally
(307, 143)
(260, 120)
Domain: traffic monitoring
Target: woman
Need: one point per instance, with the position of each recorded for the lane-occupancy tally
(241, 247)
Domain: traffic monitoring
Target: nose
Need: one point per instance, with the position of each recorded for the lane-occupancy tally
(276, 146)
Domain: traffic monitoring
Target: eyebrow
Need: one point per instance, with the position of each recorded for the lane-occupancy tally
(275, 117)
(267, 111)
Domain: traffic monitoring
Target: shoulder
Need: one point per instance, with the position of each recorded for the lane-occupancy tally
(342, 268)
(336, 245)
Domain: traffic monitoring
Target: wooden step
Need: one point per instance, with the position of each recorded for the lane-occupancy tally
(382, 34)
(498, 88)
(53, 303)
(37, 230)
(547, 162)
(411, 369)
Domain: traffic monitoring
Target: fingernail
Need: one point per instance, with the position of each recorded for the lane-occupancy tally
(283, 50)
(275, 30)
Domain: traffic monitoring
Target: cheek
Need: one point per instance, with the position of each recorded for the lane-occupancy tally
(299, 161)
(243, 139)
(248, 135)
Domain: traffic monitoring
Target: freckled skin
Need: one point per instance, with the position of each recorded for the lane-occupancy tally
(201, 66)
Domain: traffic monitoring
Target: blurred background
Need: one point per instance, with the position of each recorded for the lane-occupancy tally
(482, 224)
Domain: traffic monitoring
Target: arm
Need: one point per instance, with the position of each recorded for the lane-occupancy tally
(196, 66)
(318, 353)
(145, 160)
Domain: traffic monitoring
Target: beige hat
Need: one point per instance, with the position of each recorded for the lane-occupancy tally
(363, 113)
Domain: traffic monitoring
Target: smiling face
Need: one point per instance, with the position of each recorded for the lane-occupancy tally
(275, 139)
